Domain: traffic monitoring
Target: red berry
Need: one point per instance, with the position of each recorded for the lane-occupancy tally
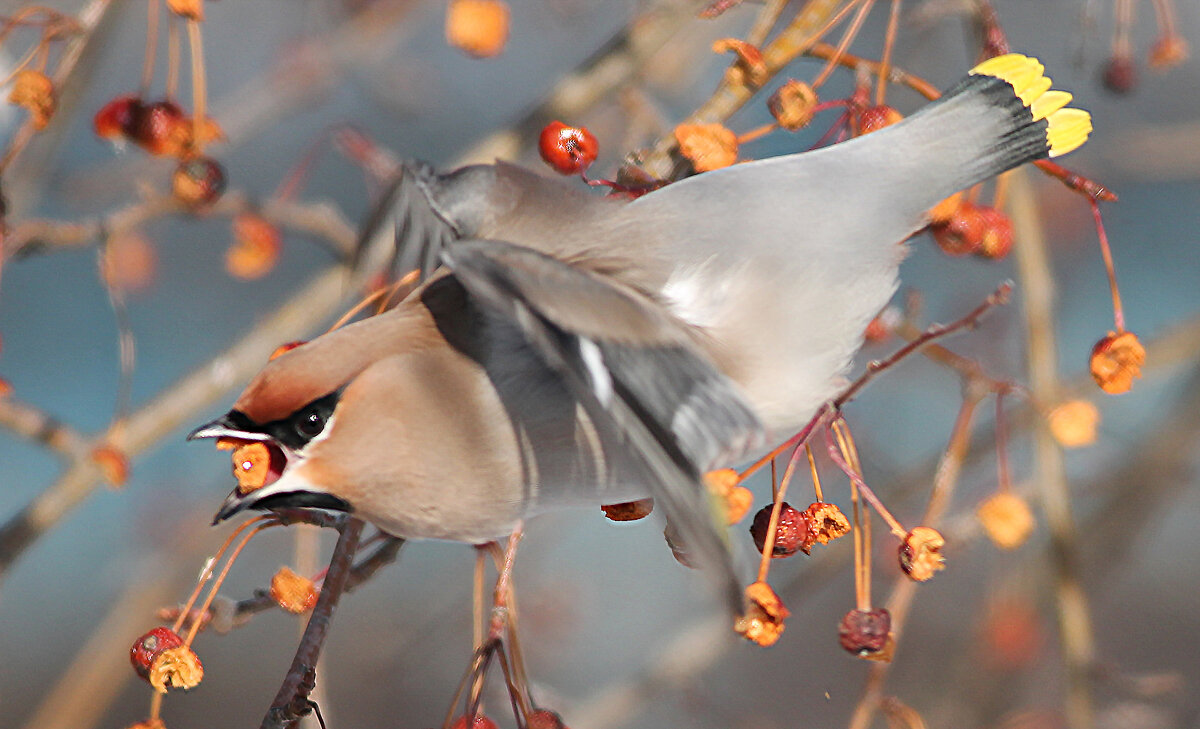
(569, 150)
(1119, 75)
(963, 232)
(198, 181)
(115, 119)
(544, 719)
(997, 238)
(791, 533)
(874, 118)
(480, 722)
(153, 126)
(147, 647)
(865, 631)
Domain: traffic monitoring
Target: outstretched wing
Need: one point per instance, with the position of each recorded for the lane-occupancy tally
(405, 231)
(638, 372)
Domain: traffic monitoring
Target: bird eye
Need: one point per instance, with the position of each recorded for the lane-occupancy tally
(310, 423)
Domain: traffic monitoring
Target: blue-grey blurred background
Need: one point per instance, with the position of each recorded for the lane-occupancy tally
(616, 633)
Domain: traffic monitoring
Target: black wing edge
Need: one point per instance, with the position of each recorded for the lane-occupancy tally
(631, 399)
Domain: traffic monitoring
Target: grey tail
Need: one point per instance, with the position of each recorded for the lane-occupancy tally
(1002, 115)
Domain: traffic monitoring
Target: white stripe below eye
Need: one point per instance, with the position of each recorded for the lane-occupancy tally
(593, 360)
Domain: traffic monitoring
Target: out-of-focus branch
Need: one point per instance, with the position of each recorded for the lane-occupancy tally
(39, 427)
(178, 405)
(1074, 615)
(318, 219)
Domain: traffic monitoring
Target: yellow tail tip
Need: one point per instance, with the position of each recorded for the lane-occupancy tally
(1067, 128)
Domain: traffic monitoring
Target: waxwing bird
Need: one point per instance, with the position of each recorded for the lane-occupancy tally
(568, 349)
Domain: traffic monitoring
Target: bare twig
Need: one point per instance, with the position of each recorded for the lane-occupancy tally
(292, 702)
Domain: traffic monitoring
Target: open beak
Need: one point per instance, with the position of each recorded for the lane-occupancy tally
(278, 497)
(230, 425)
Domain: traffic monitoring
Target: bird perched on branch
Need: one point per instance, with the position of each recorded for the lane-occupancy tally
(569, 349)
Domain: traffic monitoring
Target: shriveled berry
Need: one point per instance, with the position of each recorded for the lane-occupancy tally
(1170, 50)
(177, 667)
(293, 592)
(1074, 423)
(146, 648)
(35, 91)
(1007, 519)
(826, 522)
(255, 247)
(865, 631)
(765, 616)
(198, 182)
(568, 150)
(791, 533)
(921, 553)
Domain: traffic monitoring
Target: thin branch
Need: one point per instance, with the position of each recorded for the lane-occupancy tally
(292, 702)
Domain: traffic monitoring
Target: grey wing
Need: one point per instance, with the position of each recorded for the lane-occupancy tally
(637, 371)
(405, 230)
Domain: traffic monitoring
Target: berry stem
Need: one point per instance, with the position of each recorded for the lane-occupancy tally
(885, 63)
(764, 564)
(172, 57)
(199, 84)
(847, 37)
(216, 585)
(812, 465)
(757, 133)
(1002, 472)
(206, 573)
(151, 48)
(845, 456)
(1106, 252)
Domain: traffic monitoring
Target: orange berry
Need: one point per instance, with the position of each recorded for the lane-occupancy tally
(793, 105)
(1007, 519)
(943, 211)
(997, 238)
(255, 248)
(921, 553)
(826, 522)
(707, 146)
(750, 67)
(1117, 361)
(35, 91)
(190, 9)
(477, 27)
(763, 621)
(568, 150)
(1168, 51)
(292, 592)
(1073, 423)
